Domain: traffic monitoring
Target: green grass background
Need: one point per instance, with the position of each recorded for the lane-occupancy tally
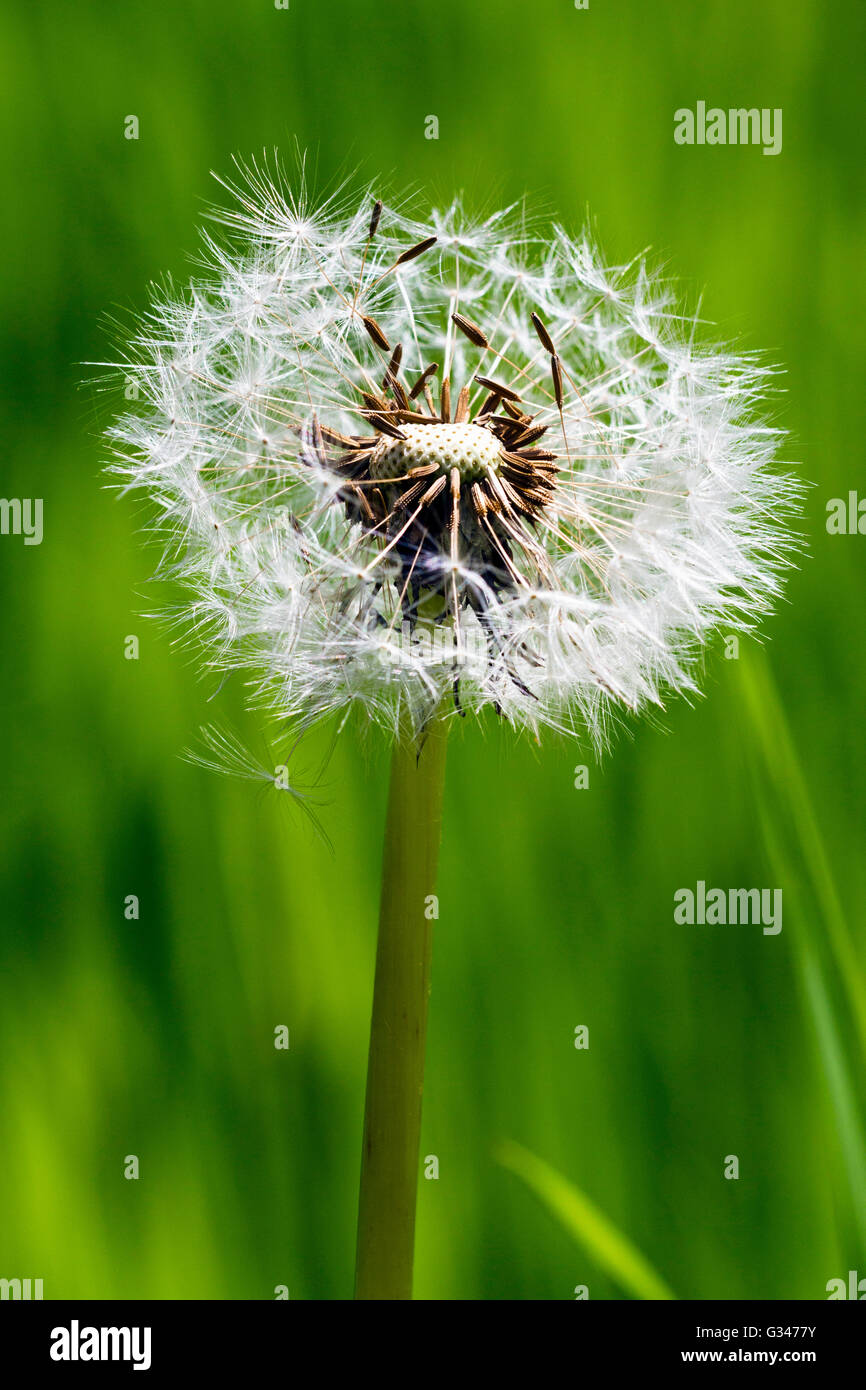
(155, 1037)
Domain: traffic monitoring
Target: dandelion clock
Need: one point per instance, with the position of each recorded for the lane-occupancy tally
(422, 468)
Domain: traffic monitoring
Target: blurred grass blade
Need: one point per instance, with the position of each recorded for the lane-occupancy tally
(836, 1064)
(785, 775)
(840, 1086)
(613, 1251)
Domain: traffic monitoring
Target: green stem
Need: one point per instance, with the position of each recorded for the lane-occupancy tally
(398, 1032)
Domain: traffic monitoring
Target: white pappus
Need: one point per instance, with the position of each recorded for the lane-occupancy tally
(409, 464)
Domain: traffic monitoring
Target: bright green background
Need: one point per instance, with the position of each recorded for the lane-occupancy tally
(155, 1037)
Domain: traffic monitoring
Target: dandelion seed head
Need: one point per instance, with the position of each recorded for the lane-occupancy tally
(403, 461)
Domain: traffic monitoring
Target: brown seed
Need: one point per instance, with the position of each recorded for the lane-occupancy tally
(479, 500)
(515, 413)
(357, 495)
(423, 379)
(417, 250)
(373, 402)
(433, 490)
(517, 461)
(556, 373)
(409, 497)
(544, 336)
(410, 417)
(516, 500)
(539, 500)
(318, 440)
(489, 403)
(391, 381)
(461, 414)
(471, 330)
(385, 426)
(349, 462)
(378, 497)
(344, 441)
(543, 474)
(529, 436)
(504, 391)
(374, 220)
(539, 455)
(376, 333)
(506, 422)
(445, 399)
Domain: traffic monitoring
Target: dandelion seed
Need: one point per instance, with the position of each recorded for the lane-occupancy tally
(376, 333)
(223, 752)
(543, 335)
(471, 330)
(417, 250)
